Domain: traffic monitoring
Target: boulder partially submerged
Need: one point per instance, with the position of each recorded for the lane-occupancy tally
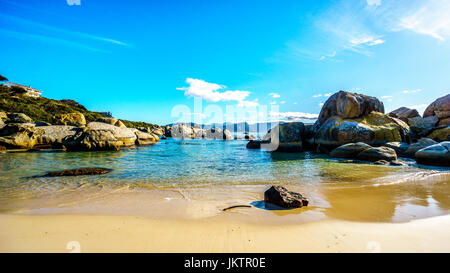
(437, 154)
(76, 172)
(20, 136)
(377, 153)
(281, 197)
(374, 128)
(350, 150)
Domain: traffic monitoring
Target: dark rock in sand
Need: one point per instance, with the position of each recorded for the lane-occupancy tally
(281, 197)
(76, 172)
(377, 153)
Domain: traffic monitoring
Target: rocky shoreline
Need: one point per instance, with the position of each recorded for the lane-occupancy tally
(354, 126)
(350, 125)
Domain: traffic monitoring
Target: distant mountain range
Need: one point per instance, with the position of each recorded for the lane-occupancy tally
(240, 127)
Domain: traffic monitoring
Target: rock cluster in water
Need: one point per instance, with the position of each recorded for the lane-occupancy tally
(354, 126)
(71, 133)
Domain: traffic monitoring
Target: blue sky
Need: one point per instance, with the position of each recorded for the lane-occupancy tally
(146, 60)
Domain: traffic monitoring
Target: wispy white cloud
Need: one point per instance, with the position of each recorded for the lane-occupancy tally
(412, 91)
(387, 98)
(57, 32)
(332, 55)
(322, 95)
(274, 95)
(373, 2)
(47, 39)
(431, 18)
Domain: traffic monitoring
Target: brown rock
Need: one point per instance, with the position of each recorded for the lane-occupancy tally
(404, 113)
(348, 105)
(281, 197)
(440, 108)
(350, 150)
(76, 172)
(74, 119)
(377, 153)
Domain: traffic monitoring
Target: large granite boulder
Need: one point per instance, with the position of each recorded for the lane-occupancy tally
(437, 154)
(112, 121)
(181, 131)
(19, 136)
(227, 135)
(74, 119)
(374, 129)
(199, 133)
(399, 147)
(423, 126)
(287, 137)
(126, 135)
(442, 134)
(88, 139)
(349, 105)
(54, 134)
(281, 197)
(3, 115)
(159, 131)
(145, 138)
(350, 150)
(377, 153)
(18, 118)
(441, 109)
(404, 113)
(420, 144)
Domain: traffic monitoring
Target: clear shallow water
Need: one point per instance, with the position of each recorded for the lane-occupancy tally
(189, 164)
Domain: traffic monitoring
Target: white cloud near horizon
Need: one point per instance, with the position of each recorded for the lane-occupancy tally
(292, 115)
(210, 92)
(412, 91)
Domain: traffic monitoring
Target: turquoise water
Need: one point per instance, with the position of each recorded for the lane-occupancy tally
(176, 163)
(221, 172)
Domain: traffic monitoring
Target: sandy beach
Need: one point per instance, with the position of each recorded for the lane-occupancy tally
(101, 233)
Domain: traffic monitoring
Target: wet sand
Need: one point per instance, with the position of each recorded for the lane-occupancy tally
(101, 233)
(386, 218)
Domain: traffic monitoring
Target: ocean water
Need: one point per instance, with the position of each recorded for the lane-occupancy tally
(187, 164)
